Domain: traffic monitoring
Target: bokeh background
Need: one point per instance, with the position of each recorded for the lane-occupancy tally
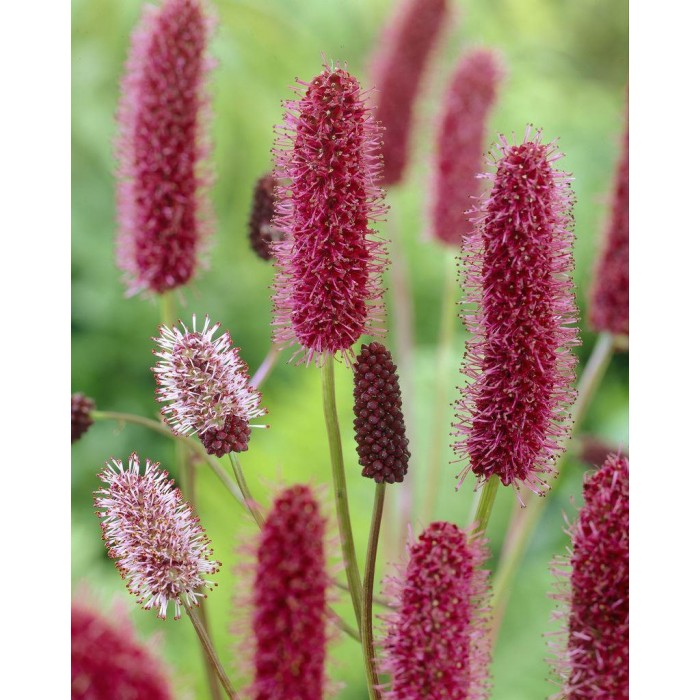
(567, 71)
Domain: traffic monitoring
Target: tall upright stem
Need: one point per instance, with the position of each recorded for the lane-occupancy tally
(340, 488)
(485, 505)
(367, 593)
(243, 486)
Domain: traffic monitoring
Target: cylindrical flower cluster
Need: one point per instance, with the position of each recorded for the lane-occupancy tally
(610, 298)
(594, 587)
(289, 600)
(261, 232)
(159, 546)
(380, 432)
(436, 642)
(162, 148)
(460, 144)
(399, 63)
(80, 419)
(328, 290)
(205, 386)
(108, 661)
(512, 417)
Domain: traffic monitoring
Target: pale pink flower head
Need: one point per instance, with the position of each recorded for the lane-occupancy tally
(461, 139)
(205, 387)
(162, 147)
(159, 546)
(512, 418)
(436, 640)
(592, 659)
(328, 290)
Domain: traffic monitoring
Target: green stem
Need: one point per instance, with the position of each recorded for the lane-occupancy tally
(212, 676)
(367, 591)
(485, 505)
(341, 497)
(243, 485)
(167, 309)
(210, 652)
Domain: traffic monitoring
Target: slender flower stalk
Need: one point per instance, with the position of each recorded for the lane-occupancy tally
(512, 419)
(162, 147)
(401, 59)
(327, 291)
(81, 408)
(159, 546)
(436, 641)
(461, 139)
(594, 590)
(261, 231)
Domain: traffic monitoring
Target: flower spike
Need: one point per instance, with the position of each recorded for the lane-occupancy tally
(80, 418)
(261, 232)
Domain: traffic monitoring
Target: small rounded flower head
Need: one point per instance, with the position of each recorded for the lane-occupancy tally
(205, 386)
(401, 59)
(436, 642)
(328, 290)
(512, 418)
(261, 232)
(108, 661)
(593, 585)
(289, 600)
(159, 546)
(610, 298)
(80, 419)
(460, 143)
(380, 432)
(161, 147)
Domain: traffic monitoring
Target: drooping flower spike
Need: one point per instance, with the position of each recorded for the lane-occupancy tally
(592, 656)
(80, 419)
(328, 290)
(108, 661)
(436, 640)
(205, 386)
(289, 600)
(159, 546)
(462, 132)
(401, 59)
(261, 232)
(512, 418)
(162, 147)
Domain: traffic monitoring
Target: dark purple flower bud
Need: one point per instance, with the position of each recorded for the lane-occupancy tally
(261, 232)
(80, 419)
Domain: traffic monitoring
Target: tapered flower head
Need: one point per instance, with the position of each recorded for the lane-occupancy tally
(327, 292)
(398, 65)
(80, 419)
(161, 147)
(380, 432)
(512, 417)
(593, 662)
(205, 386)
(108, 661)
(261, 232)
(289, 600)
(436, 642)
(610, 298)
(460, 144)
(159, 546)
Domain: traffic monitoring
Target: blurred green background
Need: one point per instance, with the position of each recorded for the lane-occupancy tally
(567, 71)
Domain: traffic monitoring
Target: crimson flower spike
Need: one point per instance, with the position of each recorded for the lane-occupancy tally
(513, 416)
(400, 61)
(327, 291)
(436, 640)
(610, 298)
(593, 585)
(460, 145)
(162, 148)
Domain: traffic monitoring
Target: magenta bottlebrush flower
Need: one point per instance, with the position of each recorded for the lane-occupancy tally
(261, 232)
(328, 288)
(609, 308)
(160, 547)
(205, 386)
(594, 587)
(517, 271)
(397, 67)
(380, 432)
(162, 148)
(108, 661)
(80, 419)
(460, 144)
(289, 600)
(436, 642)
